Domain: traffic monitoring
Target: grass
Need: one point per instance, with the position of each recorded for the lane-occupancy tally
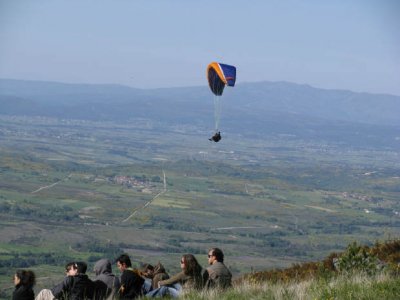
(355, 286)
(346, 286)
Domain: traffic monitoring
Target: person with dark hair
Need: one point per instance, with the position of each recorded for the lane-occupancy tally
(24, 280)
(131, 281)
(82, 267)
(106, 283)
(147, 272)
(71, 269)
(217, 274)
(189, 278)
(75, 286)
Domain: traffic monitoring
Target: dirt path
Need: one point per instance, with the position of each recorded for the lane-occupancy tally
(51, 185)
(238, 227)
(148, 202)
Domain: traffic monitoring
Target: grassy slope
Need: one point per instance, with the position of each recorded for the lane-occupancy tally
(344, 287)
(266, 203)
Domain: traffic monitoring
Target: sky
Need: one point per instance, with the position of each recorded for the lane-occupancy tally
(343, 44)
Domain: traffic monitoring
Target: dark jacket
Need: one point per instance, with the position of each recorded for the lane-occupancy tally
(131, 284)
(217, 276)
(106, 283)
(159, 274)
(78, 287)
(22, 292)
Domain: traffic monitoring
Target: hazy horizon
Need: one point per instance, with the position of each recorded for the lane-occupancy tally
(342, 45)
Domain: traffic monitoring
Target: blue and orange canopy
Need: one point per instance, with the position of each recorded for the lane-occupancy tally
(219, 75)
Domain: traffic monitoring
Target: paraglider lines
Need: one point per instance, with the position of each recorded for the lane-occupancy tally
(217, 111)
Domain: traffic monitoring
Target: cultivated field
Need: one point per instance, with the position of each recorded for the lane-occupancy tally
(80, 190)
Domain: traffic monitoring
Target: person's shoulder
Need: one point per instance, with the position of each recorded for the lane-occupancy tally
(181, 273)
(135, 273)
(81, 276)
(222, 265)
(217, 266)
(179, 276)
(132, 274)
(68, 280)
(83, 279)
(23, 292)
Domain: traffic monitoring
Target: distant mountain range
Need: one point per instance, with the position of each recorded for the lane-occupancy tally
(261, 108)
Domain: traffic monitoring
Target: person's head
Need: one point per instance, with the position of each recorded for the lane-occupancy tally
(82, 267)
(159, 268)
(17, 277)
(189, 265)
(215, 254)
(25, 277)
(102, 266)
(147, 270)
(71, 269)
(123, 262)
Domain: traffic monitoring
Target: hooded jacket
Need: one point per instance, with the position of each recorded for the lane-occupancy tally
(106, 282)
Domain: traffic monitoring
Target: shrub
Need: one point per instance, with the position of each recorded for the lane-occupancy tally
(358, 258)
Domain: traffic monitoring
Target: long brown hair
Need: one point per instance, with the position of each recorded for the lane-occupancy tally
(191, 265)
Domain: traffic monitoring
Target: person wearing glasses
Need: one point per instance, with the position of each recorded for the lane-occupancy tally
(189, 278)
(217, 274)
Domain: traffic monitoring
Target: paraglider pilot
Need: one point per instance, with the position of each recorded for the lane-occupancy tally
(218, 76)
(216, 137)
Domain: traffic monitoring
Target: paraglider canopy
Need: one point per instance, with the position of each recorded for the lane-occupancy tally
(219, 75)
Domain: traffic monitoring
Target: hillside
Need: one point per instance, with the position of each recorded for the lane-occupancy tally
(245, 98)
(111, 169)
(356, 258)
(360, 272)
(260, 110)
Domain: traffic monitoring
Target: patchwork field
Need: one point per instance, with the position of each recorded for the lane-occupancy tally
(85, 190)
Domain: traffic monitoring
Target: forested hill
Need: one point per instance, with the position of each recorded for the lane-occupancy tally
(255, 108)
(249, 98)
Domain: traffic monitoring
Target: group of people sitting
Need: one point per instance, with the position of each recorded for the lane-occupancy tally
(149, 281)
